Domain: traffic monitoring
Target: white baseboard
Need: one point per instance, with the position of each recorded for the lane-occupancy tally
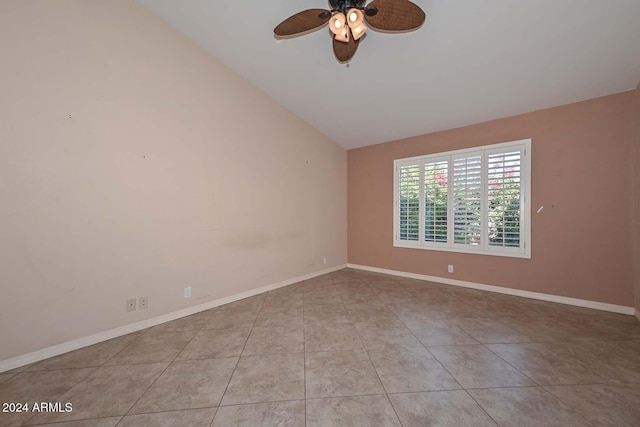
(56, 350)
(508, 291)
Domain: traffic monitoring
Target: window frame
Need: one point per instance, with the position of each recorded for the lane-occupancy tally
(524, 251)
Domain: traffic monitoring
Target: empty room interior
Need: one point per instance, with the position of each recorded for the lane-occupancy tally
(320, 213)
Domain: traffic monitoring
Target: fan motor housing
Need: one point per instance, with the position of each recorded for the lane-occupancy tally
(344, 5)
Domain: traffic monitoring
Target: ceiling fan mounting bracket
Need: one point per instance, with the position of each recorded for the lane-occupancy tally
(346, 4)
(343, 6)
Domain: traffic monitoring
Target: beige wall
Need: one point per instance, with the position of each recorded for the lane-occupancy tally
(133, 164)
(636, 206)
(582, 173)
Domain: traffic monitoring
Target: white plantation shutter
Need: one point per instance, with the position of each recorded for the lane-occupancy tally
(503, 194)
(436, 188)
(474, 200)
(409, 203)
(467, 199)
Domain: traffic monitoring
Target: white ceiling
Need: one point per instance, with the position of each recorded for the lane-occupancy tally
(472, 61)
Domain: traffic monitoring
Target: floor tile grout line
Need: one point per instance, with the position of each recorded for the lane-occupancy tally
(569, 406)
(239, 357)
(209, 313)
(426, 347)
(304, 361)
(546, 391)
(482, 407)
(123, 348)
(534, 341)
(535, 383)
(238, 361)
(9, 377)
(217, 408)
(80, 349)
(446, 320)
(162, 411)
(33, 415)
(234, 405)
(437, 360)
(508, 363)
(444, 367)
(540, 384)
(83, 419)
(160, 375)
(342, 396)
(386, 393)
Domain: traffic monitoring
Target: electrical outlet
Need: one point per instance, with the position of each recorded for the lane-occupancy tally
(143, 303)
(187, 292)
(131, 305)
(450, 269)
(324, 260)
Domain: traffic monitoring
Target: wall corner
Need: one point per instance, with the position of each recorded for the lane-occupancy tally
(636, 207)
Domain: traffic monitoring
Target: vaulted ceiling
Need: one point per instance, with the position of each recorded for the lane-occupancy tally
(471, 61)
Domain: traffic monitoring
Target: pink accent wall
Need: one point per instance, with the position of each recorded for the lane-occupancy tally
(582, 172)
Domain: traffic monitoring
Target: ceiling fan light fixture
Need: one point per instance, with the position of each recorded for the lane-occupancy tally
(355, 17)
(337, 23)
(356, 22)
(343, 36)
(358, 31)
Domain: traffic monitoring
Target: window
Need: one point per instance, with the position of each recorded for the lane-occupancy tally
(474, 200)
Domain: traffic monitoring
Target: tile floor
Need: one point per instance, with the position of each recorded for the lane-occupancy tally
(351, 348)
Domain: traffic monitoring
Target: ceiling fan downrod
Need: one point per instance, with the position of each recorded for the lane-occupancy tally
(343, 6)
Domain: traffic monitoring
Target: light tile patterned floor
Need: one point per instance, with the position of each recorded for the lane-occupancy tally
(351, 348)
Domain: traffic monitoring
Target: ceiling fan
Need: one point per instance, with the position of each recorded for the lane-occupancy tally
(347, 20)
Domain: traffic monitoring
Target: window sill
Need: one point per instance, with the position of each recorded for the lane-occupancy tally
(511, 254)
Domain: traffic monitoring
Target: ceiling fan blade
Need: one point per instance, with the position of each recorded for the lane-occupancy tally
(395, 15)
(302, 23)
(345, 51)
